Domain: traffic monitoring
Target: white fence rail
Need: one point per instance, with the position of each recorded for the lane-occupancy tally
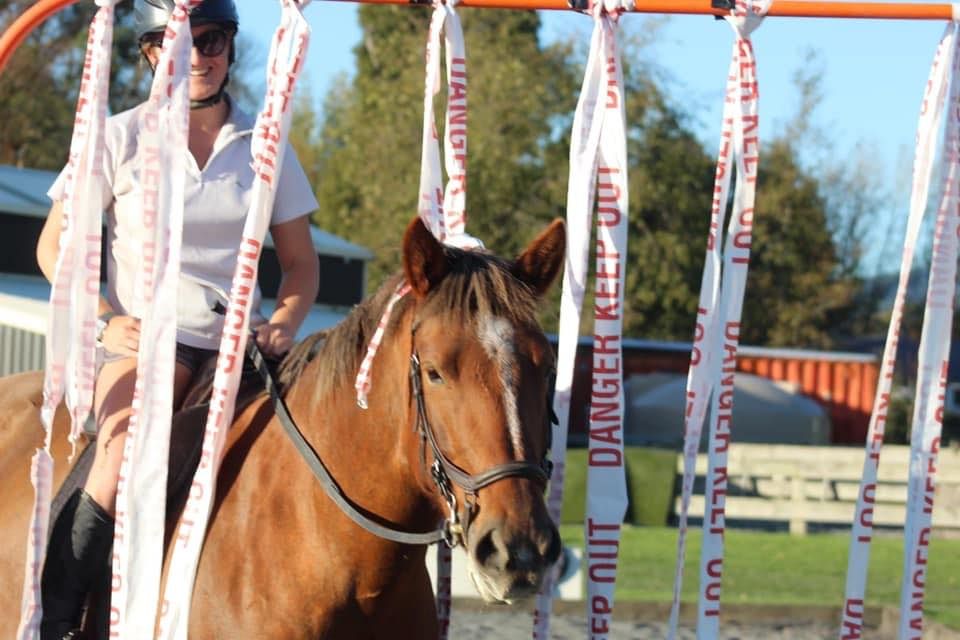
(803, 485)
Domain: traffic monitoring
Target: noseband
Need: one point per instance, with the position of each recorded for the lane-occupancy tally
(445, 473)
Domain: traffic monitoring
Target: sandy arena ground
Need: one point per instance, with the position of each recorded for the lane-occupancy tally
(474, 625)
(471, 620)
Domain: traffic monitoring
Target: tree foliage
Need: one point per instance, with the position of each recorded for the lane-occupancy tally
(521, 100)
(369, 158)
(39, 87)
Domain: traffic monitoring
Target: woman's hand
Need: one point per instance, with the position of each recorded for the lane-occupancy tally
(122, 336)
(274, 339)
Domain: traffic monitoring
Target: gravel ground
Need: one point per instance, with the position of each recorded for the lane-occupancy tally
(510, 625)
(474, 622)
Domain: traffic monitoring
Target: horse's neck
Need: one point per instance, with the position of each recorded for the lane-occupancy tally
(372, 452)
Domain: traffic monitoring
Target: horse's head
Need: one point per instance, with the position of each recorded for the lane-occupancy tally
(481, 379)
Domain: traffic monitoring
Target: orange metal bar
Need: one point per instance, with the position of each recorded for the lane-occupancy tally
(26, 23)
(43, 9)
(874, 10)
(781, 8)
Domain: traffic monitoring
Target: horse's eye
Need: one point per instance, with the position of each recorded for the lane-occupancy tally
(434, 376)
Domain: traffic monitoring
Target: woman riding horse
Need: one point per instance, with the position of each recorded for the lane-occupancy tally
(218, 186)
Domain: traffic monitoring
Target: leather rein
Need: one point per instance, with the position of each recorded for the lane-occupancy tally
(444, 472)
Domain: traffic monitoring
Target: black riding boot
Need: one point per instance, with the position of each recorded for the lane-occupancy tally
(80, 541)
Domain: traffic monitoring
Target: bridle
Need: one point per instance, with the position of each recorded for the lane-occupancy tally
(445, 473)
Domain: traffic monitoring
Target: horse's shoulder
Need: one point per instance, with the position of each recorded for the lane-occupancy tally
(19, 389)
(21, 397)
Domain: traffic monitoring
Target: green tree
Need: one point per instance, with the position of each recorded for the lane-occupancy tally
(795, 284)
(304, 134)
(369, 152)
(799, 282)
(38, 89)
(671, 182)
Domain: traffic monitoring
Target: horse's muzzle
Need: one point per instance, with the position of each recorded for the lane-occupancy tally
(507, 566)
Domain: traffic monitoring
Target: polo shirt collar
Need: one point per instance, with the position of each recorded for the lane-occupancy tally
(239, 123)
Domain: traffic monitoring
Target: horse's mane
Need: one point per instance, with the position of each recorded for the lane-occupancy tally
(477, 284)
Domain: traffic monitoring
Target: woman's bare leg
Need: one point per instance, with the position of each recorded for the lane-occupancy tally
(113, 397)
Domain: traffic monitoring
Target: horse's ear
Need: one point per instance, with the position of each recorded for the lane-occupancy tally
(540, 262)
(424, 261)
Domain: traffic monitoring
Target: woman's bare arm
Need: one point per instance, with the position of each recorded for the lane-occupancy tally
(48, 248)
(298, 286)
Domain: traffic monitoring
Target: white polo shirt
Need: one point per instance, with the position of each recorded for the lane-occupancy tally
(215, 209)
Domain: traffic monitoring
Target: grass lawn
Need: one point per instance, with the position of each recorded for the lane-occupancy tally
(777, 568)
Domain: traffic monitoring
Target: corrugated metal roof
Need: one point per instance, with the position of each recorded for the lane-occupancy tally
(24, 192)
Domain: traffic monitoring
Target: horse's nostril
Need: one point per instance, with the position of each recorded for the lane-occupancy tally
(552, 548)
(486, 548)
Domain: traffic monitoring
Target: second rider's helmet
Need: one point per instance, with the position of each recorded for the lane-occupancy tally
(151, 16)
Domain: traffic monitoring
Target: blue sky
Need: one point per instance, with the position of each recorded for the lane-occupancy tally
(874, 72)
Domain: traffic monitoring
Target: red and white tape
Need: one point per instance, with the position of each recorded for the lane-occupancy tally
(443, 210)
(717, 334)
(598, 169)
(141, 488)
(931, 115)
(934, 354)
(70, 339)
(364, 381)
(285, 63)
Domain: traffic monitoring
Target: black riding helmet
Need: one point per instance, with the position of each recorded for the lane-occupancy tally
(151, 16)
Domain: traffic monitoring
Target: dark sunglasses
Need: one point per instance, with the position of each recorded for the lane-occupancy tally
(209, 44)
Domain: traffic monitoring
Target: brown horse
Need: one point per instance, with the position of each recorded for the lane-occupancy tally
(462, 376)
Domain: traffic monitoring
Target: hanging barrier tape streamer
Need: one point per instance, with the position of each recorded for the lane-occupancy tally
(431, 179)
(74, 296)
(584, 145)
(931, 114)
(598, 168)
(363, 381)
(141, 488)
(444, 594)
(287, 53)
(443, 210)
(717, 334)
(933, 362)
(446, 217)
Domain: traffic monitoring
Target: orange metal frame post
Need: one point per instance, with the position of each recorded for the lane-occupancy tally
(43, 9)
(30, 20)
